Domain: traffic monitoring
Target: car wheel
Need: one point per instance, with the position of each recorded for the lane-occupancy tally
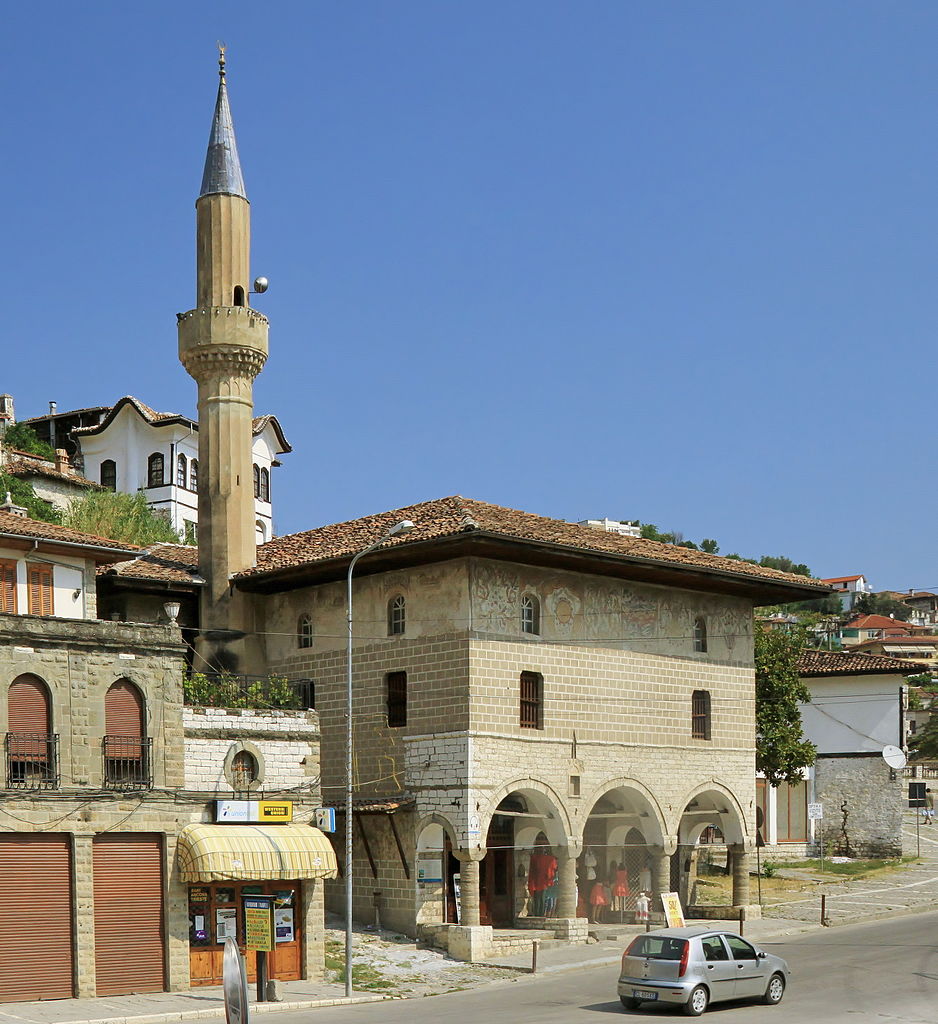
(775, 991)
(629, 1003)
(697, 1002)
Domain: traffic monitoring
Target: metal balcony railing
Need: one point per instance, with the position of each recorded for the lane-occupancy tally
(32, 760)
(228, 690)
(127, 762)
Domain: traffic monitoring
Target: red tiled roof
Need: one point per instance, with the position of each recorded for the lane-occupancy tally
(31, 529)
(170, 563)
(852, 663)
(876, 622)
(842, 579)
(450, 517)
(42, 467)
(902, 640)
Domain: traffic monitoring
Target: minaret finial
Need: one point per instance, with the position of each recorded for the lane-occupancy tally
(221, 59)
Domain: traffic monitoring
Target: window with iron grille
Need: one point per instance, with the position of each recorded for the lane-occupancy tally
(243, 770)
(530, 614)
(304, 632)
(397, 699)
(700, 715)
(532, 700)
(397, 618)
(155, 475)
(700, 634)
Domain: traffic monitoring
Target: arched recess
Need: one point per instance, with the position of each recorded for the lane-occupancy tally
(712, 804)
(31, 745)
(126, 747)
(435, 890)
(624, 832)
(239, 750)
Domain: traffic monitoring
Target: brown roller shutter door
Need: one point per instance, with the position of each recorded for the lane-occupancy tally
(35, 918)
(28, 706)
(123, 711)
(128, 914)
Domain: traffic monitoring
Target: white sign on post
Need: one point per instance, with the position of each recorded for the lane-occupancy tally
(815, 812)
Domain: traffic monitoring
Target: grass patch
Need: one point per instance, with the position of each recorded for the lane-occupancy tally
(364, 976)
(851, 868)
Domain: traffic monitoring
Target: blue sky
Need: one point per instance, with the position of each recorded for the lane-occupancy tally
(668, 261)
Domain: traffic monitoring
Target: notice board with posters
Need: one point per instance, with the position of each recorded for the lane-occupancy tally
(258, 923)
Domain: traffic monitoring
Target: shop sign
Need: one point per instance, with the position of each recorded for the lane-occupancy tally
(430, 869)
(253, 811)
(325, 819)
(673, 913)
(258, 923)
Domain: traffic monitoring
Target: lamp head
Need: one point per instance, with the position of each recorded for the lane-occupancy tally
(404, 526)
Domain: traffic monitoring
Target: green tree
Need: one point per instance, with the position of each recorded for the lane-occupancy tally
(784, 564)
(709, 545)
(121, 517)
(781, 749)
(925, 743)
(880, 604)
(24, 439)
(23, 494)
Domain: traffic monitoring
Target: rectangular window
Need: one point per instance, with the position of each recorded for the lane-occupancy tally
(792, 804)
(39, 578)
(532, 699)
(397, 699)
(8, 587)
(700, 715)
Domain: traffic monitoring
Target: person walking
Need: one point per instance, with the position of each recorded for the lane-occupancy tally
(928, 810)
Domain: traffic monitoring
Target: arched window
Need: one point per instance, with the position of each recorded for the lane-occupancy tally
(155, 477)
(31, 746)
(700, 634)
(243, 770)
(238, 295)
(304, 632)
(257, 481)
(397, 615)
(265, 485)
(530, 615)
(109, 474)
(180, 471)
(260, 532)
(193, 474)
(126, 748)
(700, 715)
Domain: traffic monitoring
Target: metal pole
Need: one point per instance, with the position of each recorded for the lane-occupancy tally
(534, 946)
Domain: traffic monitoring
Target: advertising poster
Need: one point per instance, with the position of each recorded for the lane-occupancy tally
(673, 913)
(257, 924)
(226, 923)
(283, 924)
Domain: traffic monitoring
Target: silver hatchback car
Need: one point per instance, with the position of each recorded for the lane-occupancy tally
(693, 967)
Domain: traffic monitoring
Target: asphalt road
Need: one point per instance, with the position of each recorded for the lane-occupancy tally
(883, 972)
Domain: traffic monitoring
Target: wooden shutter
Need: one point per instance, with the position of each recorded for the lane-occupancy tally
(530, 717)
(36, 960)
(8, 587)
(39, 578)
(128, 914)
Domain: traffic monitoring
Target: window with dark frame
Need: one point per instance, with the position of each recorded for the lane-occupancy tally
(397, 615)
(700, 715)
(397, 699)
(155, 474)
(109, 474)
(532, 700)
(700, 634)
(265, 484)
(304, 632)
(193, 474)
(257, 481)
(181, 471)
(530, 615)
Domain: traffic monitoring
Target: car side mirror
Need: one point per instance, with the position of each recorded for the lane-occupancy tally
(761, 954)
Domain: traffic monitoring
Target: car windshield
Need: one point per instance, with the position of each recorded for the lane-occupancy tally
(657, 947)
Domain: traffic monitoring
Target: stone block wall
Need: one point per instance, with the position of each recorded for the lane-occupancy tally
(862, 788)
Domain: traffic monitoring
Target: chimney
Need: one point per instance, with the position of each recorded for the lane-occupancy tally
(62, 461)
(15, 510)
(7, 418)
(52, 407)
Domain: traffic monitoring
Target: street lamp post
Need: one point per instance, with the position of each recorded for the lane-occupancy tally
(405, 526)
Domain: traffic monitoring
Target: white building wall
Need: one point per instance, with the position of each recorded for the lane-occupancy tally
(71, 599)
(853, 714)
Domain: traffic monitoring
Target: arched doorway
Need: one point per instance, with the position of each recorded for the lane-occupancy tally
(126, 747)
(31, 745)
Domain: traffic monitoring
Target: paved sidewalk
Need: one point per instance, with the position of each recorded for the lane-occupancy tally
(910, 889)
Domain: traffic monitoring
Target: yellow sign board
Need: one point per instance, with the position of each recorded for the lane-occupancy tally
(673, 913)
(275, 810)
(258, 924)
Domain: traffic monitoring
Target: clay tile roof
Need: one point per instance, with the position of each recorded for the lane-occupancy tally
(32, 529)
(876, 622)
(852, 663)
(842, 579)
(41, 467)
(452, 516)
(169, 563)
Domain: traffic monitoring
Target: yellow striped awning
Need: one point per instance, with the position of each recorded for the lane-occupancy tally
(223, 853)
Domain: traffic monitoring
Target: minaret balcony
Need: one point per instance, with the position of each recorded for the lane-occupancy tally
(226, 339)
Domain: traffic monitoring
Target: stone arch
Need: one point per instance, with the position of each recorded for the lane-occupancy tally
(244, 746)
(712, 803)
(434, 818)
(643, 802)
(544, 800)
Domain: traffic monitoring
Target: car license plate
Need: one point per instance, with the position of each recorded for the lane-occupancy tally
(643, 993)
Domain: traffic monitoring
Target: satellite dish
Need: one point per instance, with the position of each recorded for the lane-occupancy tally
(894, 757)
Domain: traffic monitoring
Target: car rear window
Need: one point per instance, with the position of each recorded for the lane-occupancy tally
(657, 947)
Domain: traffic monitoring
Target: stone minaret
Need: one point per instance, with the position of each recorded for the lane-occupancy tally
(223, 345)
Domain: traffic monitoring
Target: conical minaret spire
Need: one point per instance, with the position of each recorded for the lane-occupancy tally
(223, 345)
(222, 174)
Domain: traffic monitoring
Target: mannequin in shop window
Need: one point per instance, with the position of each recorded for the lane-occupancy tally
(542, 872)
(619, 879)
